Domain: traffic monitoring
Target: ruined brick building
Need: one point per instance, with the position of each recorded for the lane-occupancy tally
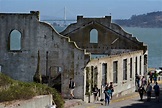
(92, 51)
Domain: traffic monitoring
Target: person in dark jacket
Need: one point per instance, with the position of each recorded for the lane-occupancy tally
(157, 91)
(71, 88)
(95, 92)
(111, 87)
(141, 91)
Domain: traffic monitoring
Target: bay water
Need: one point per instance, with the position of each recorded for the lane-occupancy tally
(152, 37)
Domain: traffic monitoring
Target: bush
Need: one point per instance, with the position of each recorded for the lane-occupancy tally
(5, 80)
(13, 90)
(16, 92)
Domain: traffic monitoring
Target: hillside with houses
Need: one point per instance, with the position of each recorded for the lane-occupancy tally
(148, 20)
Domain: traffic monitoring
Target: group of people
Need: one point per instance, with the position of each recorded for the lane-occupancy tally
(142, 80)
(143, 88)
(147, 87)
(148, 91)
(152, 76)
(108, 91)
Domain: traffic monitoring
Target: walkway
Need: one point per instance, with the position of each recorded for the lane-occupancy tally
(77, 102)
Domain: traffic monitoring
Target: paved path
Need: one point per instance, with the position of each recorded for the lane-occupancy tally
(127, 101)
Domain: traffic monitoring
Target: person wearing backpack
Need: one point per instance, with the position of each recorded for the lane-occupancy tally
(107, 92)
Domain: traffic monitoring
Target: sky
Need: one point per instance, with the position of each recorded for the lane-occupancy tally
(118, 9)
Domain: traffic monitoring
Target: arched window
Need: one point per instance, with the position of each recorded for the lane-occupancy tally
(93, 36)
(15, 40)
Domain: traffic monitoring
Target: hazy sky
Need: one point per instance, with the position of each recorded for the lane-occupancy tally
(119, 9)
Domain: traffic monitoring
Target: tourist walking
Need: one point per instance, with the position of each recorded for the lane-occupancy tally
(155, 75)
(111, 87)
(71, 88)
(95, 92)
(107, 92)
(148, 91)
(141, 91)
(151, 76)
(143, 81)
(137, 80)
(156, 91)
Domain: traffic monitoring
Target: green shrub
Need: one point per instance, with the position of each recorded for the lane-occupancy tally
(16, 92)
(44, 89)
(13, 90)
(5, 80)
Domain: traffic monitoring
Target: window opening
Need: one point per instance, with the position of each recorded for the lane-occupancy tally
(15, 40)
(115, 71)
(140, 65)
(95, 75)
(92, 78)
(130, 67)
(55, 71)
(104, 73)
(125, 69)
(136, 66)
(93, 36)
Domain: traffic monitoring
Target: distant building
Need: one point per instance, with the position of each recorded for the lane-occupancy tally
(69, 54)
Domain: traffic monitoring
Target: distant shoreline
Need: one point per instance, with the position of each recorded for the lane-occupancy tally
(149, 20)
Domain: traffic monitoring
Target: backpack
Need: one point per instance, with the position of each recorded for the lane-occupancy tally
(108, 92)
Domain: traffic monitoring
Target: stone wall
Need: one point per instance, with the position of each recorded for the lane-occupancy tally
(122, 86)
(109, 36)
(58, 55)
(42, 101)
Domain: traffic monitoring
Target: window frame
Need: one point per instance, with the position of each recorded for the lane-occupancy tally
(93, 36)
(10, 44)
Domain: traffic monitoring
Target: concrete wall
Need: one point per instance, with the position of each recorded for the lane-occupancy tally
(110, 36)
(59, 51)
(36, 102)
(55, 51)
(122, 87)
(114, 44)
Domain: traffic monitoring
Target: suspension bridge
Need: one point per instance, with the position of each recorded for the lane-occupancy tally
(64, 20)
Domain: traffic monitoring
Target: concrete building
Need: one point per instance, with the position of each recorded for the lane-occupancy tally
(92, 51)
(60, 58)
(116, 56)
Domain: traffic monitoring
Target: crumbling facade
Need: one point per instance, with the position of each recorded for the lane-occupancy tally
(92, 51)
(116, 56)
(59, 58)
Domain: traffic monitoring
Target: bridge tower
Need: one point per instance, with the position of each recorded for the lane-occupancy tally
(64, 16)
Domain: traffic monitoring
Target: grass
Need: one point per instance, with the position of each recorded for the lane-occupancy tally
(16, 90)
